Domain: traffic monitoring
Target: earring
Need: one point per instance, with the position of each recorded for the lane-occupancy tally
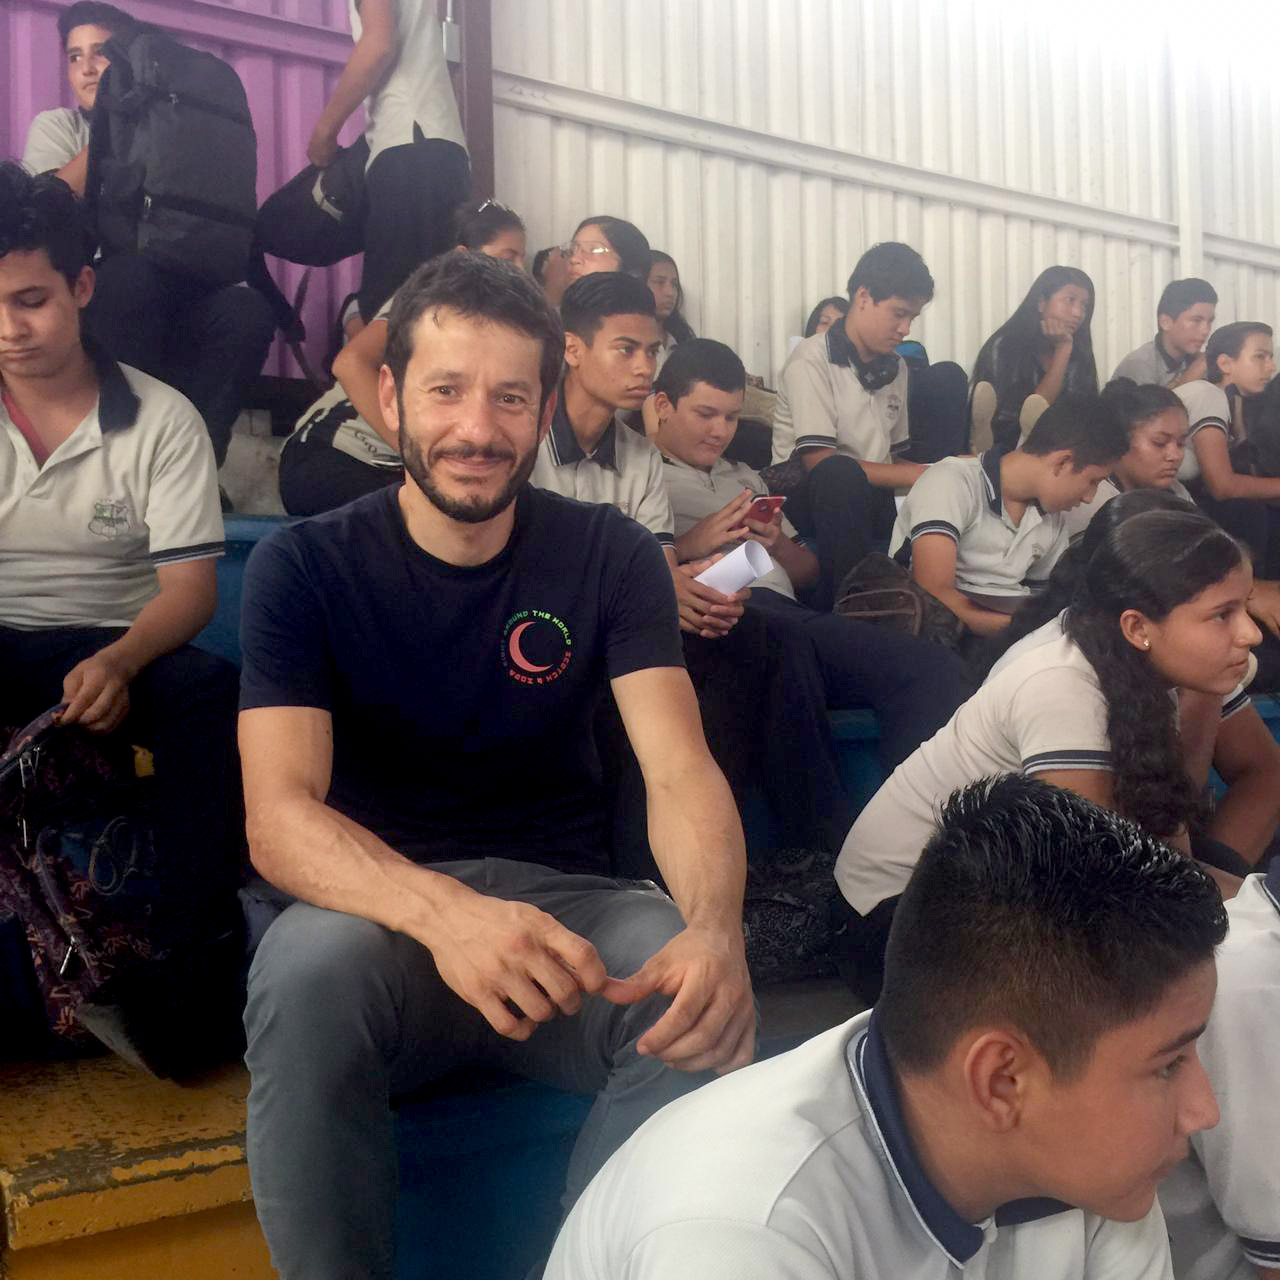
(1146, 644)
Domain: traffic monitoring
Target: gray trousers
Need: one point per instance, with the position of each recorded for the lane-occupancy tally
(344, 1016)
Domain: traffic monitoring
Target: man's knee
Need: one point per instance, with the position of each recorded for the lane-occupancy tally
(316, 974)
(648, 923)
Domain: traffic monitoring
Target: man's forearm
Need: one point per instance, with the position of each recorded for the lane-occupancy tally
(696, 836)
(310, 850)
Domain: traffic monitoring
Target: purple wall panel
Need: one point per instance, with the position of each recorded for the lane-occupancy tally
(289, 54)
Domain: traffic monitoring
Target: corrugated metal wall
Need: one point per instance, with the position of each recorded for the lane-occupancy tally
(766, 143)
(289, 54)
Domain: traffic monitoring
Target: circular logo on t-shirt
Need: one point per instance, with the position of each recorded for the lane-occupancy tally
(536, 647)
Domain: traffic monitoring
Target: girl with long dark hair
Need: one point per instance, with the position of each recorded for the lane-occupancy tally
(1043, 349)
(668, 296)
(1159, 607)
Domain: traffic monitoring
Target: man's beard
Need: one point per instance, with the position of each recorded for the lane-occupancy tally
(468, 510)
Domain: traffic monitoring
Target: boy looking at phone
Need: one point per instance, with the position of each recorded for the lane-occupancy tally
(912, 685)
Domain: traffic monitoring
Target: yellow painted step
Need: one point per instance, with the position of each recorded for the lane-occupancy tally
(97, 1158)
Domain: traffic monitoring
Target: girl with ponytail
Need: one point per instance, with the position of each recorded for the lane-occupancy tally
(1159, 607)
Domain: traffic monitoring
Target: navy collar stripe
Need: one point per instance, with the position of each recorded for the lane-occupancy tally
(873, 1078)
(118, 407)
(1271, 884)
(565, 448)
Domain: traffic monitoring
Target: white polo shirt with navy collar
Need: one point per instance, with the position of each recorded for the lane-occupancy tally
(132, 488)
(961, 498)
(624, 470)
(1045, 711)
(1056, 628)
(696, 494)
(802, 1168)
(1223, 1202)
(822, 404)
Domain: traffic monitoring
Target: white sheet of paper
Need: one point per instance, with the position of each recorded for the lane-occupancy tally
(739, 569)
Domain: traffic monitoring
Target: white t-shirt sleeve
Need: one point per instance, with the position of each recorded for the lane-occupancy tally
(942, 501)
(721, 1250)
(811, 400)
(654, 508)
(53, 140)
(1129, 1250)
(1207, 406)
(184, 514)
(1241, 1156)
(1058, 718)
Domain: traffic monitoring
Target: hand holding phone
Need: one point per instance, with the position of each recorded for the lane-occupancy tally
(764, 509)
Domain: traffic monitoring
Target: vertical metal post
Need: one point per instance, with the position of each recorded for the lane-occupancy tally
(474, 85)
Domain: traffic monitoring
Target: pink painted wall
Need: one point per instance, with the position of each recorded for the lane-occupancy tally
(288, 53)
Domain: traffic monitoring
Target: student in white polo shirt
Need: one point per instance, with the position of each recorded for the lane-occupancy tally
(1222, 1204)
(1162, 605)
(842, 411)
(743, 674)
(209, 342)
(1240, 361)
(1184, 315)
(1224, 732)
(109, 526)
(912, 685)
(1008, 1108)
(981, 533)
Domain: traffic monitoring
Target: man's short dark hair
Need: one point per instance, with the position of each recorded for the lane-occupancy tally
(92, 13)
(1034, 908)
(1086, 424)
(42, 213)
(476, 286)
(700, 360)
(1179, 295)
(892, 270)
(590, 300)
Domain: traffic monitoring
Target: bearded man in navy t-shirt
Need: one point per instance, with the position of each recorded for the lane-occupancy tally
(421, 671)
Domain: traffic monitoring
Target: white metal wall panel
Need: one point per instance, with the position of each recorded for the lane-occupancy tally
(765, 144)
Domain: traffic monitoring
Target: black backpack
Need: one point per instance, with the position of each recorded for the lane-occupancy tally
(317, 217)
(80, 870)
(173, 158)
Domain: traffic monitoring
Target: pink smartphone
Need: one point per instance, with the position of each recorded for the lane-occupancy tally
(764, 509)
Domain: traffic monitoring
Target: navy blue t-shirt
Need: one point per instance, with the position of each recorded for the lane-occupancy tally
(462, 698)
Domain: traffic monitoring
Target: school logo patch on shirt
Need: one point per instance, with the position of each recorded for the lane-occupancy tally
(893, 405)
(536, 647)
(111, 518)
